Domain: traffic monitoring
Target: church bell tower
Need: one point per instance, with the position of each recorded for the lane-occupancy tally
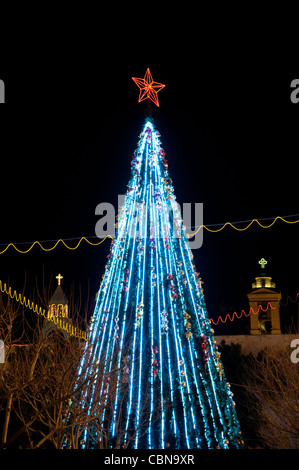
(264, 299)
(58, 310)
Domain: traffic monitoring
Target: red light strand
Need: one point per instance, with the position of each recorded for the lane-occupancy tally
(251, 310)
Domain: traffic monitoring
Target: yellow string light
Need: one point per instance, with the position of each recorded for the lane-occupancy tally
(60, 323)
(244, 228)
(54, 246)
(110, 236)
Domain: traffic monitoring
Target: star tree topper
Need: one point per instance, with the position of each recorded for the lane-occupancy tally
(148, 88)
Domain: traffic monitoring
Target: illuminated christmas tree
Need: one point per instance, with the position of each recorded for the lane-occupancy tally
(150, 326)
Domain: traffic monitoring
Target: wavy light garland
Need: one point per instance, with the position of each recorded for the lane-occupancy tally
(206, 227)
(247, 226)
(55, 245)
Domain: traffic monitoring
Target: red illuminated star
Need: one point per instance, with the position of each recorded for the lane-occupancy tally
(148, 88)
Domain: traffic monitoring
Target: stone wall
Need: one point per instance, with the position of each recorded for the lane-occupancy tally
(256, 343)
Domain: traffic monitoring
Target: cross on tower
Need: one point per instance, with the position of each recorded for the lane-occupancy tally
(263, 262)
(59, 277)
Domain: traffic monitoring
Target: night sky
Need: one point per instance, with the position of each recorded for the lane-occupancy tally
(230, 132)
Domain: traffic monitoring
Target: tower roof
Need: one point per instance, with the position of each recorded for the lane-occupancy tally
(58, 297)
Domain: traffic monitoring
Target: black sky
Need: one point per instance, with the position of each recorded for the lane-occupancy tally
(71, 124)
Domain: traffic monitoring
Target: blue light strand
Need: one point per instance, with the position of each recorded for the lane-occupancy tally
(174, 269)
(142, 300)
(178, 349)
